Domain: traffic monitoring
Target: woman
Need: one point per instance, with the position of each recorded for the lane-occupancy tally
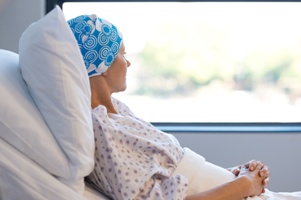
(135, 160)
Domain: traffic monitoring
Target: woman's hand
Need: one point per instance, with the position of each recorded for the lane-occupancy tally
(253, 179)
(252, 165)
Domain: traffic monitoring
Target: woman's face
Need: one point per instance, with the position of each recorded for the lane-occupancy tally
(116, 74)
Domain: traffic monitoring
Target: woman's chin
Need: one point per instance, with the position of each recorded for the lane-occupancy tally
(122, 89)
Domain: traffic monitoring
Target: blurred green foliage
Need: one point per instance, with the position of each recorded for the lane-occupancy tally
(180, 58)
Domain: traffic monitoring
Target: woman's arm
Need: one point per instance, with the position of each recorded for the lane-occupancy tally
(248, 183)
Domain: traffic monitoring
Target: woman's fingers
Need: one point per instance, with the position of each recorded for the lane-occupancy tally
(265, 182)
(264, 172)
(251, 165)
(235, 170)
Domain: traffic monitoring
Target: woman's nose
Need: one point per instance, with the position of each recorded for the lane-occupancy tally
(128, 63)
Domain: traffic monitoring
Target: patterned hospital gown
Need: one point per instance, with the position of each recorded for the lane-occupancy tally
(133, 159)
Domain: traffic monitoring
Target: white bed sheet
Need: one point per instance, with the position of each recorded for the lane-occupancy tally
(21, 178)
(92, 194)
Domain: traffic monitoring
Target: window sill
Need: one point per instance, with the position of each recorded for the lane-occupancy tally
(229, 127)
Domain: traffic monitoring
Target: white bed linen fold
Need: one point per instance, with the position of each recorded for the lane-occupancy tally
(92, 194)
(21, 178)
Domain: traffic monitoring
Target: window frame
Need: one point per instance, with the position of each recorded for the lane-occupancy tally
(50, 4)
(201, 127)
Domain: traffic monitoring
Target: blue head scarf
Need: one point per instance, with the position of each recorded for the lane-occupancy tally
(99, 42)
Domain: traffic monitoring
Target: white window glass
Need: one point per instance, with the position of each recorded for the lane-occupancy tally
(208, 61)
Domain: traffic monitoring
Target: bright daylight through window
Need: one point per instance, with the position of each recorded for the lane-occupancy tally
(208, 62)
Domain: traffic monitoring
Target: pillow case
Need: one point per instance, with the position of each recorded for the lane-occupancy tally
(53, 68)
(21, 124)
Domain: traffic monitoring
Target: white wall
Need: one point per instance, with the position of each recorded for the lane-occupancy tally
(280, 151)
(15, 16)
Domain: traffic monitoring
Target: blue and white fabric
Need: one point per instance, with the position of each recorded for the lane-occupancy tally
(99, 42)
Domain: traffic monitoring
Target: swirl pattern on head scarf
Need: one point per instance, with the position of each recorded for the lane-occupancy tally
(99, 42)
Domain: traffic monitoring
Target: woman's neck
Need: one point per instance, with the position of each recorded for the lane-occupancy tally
(100, 94)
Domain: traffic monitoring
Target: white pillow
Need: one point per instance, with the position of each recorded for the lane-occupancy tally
(22, 125)
(54, 71)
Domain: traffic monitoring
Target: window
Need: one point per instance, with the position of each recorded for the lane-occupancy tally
(232, 62)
